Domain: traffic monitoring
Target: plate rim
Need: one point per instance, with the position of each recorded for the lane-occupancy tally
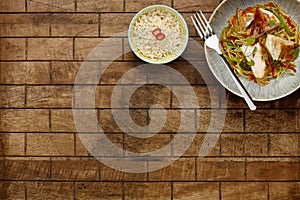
(222, 83)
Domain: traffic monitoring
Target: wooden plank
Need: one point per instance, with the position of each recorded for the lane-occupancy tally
(111, 173)
(273, 169)
(112, 24)
(244, 145)
(18, 120)
(24, 72)
(216, 169)
(182, 169)
(43, 144)
(244, 190)
(194, 6)
(49, 96)
(78, 169)
(108, 124)
(194, 148)
(25, 168)
(31, 25)
(109, 50)
(12, 190)
(284, 190)
(195, 190)
(50, 49)
(233, 121)
(62, 121)
(12, 144)
(51, 6)
(135, 6)
(267, 121)
(12, 48)
(145, 145)
(147, 190)
(49, 190)
(103, 6)
(12, 96)
(12, 6)
(148, 95)
(284, 144)
(74, 25)
(203, 95)
(99, 190)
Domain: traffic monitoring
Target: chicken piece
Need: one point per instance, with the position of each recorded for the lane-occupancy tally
(245, 18)
(262, 64)
(262, 23)
(276, 45)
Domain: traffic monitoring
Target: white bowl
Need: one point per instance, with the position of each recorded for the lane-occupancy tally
(178, 52)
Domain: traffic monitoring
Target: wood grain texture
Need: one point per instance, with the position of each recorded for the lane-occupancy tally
(203, 94)
(49, 96)
(147, 190)
(30, 24)
(111, 175)
(12, 190)
(99, 190)
(273, 169)
(244, 190)
(50, 6)
(44, 144)
(49, 190)
(267, 121)
(182, 169)
(12, 48)
(196, 190)
(244, 145)
(75, 169)
(135, 5)
(50, 49)
(43, 45)
(19, 120)
(74, 25)
(103, 6)
(214, 169)
(105, 51)
(112, 24)
(284, 144)
(13, 6)
(194, 6)
(24, 72)
(233, 120)
(12, 96)
(284, 190)
(25, 168)
(12, 144)
(62, 121)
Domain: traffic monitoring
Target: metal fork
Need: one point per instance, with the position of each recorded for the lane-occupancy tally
(206, 33)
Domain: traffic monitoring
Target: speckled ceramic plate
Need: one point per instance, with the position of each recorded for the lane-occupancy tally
(277, 88)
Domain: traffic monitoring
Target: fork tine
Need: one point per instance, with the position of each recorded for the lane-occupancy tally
(197, 28)
(202, 25)
(206, 22)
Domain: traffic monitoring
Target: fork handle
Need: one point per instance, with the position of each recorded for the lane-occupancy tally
(239, 84)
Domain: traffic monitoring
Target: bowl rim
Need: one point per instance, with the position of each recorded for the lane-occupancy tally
(168, 8)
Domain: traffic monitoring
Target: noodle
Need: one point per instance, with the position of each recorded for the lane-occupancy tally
(236, 35)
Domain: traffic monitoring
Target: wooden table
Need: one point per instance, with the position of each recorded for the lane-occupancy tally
(42, 45)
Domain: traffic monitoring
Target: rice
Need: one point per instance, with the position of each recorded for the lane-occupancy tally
(166, 22)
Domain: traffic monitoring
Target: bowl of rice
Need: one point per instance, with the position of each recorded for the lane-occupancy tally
(158, 34)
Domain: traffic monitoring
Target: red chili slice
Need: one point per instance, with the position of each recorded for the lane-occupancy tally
(289, 67)
(289, 21)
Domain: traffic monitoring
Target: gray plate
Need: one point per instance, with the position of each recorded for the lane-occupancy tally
(277, 88)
